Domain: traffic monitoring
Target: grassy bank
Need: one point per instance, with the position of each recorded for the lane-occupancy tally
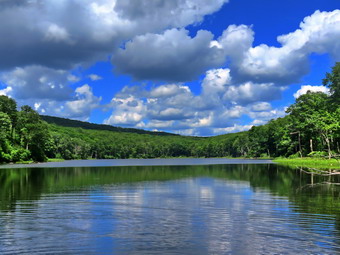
(318, 163)
(31, 161)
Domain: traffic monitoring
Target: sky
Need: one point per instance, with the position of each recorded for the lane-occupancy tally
(191, 67)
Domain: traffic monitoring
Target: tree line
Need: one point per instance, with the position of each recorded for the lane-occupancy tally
(310, 128)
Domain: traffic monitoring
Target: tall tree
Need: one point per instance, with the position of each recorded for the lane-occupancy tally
(33, 132)
(311, 118)
(332, 80)
(9, 106)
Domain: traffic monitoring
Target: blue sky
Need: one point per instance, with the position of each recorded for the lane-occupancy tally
(189, 67)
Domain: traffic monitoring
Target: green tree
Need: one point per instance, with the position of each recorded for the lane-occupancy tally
(332, 80)
(9, 106)
(5, 126)
(33, 132)
(312, 118)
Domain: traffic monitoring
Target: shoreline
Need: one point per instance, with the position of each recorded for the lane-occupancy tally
(305, 162)
(138, 162)
(320, 163)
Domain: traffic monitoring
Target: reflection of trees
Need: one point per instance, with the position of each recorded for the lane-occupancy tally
(20, 184)
(29, 184)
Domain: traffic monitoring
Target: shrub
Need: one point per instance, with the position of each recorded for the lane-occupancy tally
(318, 154)
(20, 154)
(296, 155)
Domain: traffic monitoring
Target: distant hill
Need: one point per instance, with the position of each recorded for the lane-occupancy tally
(86, 125)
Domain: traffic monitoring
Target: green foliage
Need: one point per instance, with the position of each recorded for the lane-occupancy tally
(9, 106)
(20, 154)
(86, 125)
(332, 81)
(23, 135)
(318, 163)
(317, 154)
(5, 126)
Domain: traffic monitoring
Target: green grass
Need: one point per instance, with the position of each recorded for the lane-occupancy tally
(318, 163)
(55, 160)
(31, 161)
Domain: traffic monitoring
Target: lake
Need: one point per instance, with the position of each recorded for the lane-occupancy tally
(229, 208)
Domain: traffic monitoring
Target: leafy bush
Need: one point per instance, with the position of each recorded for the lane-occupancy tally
(296, 155)
(317, 154)
(20, 154)
(5, 157)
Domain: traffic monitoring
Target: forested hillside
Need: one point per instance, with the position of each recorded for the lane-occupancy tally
(86, 125)
(311, 128)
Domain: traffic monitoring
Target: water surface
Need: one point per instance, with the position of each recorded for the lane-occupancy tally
(211, 209)
(139, 162)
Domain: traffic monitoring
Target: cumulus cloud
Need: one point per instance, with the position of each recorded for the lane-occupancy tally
(6, 91)
(60, 34)
(83, 104)
(38, 82)
(233, 129)
(318, 33)
(56, 33)
(214, 86)
(250, 92)
(176, 13)
(236, 41)
(174, 107)
(95, 77)
(78, 107)
(265, 116)
(175, 56)
(261, 106)
(170, 56)
(305, 88)
(127, 112)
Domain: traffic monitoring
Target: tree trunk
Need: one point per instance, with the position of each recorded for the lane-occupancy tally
(328, 145)
(300, 150)
(311, 145)
(329, 148)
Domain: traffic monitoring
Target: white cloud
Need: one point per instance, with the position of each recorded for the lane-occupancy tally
(250, 92)
(6, 91)
(261, 106)
(170, 56)
(57, 34)
(258, 122)
(233, 129)
(128, 111)
(214, 86)
(305, 88)
(174, 56)
(38, 82)
(267, 115)
(236, 41)
(79, 106)
(73, 78)
(164, 13)
(95, 77)
(318, 33)
(83, 104)
(61, 34)
(173, 107)
(168, 90)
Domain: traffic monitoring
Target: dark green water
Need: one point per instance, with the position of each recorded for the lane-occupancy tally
(213, 209)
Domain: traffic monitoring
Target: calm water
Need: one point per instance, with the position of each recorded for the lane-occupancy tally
(212, 209)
